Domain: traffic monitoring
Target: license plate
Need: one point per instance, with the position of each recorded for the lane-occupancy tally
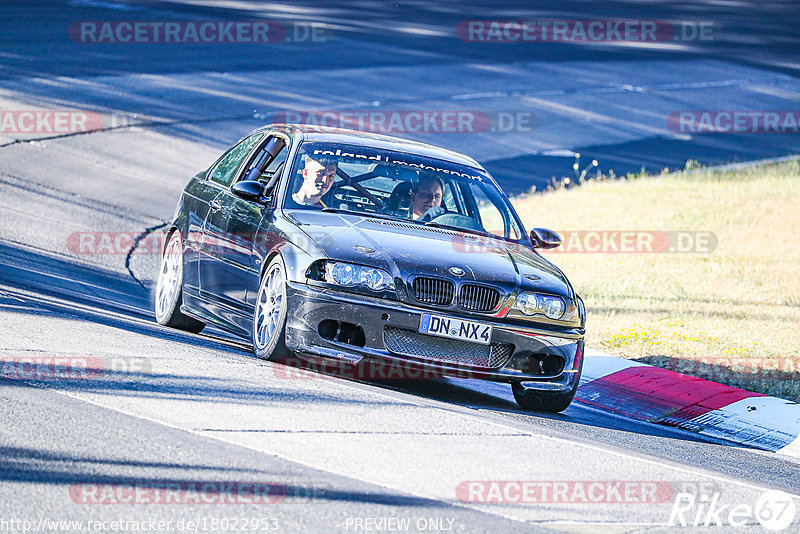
(439, 325)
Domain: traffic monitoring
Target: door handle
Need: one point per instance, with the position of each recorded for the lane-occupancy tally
(215, 205)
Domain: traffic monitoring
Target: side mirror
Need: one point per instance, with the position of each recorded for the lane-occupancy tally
(250, 190)
(544, 238)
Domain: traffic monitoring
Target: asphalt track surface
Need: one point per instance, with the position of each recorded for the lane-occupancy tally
(171, 407)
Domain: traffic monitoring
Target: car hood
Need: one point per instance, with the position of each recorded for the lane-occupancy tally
(406, 249)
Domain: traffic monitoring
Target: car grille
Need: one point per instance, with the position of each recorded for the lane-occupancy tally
(433, 290)
(410, 343)
(473, 297)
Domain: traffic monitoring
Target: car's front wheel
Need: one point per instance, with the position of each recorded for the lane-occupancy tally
(269, 317)
(543, 401)
(169, 290)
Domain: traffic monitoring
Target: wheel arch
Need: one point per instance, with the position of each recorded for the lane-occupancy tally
(295, 261)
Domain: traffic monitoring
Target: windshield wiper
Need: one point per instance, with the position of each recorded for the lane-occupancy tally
(459, 229)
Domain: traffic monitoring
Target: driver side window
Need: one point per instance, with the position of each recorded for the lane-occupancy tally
(226, 168)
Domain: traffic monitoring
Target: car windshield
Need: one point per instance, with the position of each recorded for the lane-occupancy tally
(384, 183)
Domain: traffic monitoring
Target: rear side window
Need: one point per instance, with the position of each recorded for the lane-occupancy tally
(225, 170)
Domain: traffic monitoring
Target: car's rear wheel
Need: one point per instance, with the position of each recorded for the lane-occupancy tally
(269, 317)
(169, 290)
(543, 401)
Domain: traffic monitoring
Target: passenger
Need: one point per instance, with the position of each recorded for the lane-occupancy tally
(318, 177)
(426, 198)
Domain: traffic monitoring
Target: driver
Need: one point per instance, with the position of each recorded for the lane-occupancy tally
(318, 176)
(426, 197)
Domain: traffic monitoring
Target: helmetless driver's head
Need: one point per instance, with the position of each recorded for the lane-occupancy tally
(318, 177)
(426, 194)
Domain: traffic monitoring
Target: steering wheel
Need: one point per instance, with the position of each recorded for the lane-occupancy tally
(455, 219)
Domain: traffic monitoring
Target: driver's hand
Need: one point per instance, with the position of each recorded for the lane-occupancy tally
(432, 213)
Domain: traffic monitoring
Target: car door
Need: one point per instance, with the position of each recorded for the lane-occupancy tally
(214, 247)
(237, 267)
(270, 171)
(199, 194)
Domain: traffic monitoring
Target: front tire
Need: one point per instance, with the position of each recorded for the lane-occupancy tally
(543, 401)
(269, 316)
(169, 290)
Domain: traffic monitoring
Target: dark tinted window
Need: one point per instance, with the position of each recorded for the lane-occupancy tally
(226, 168)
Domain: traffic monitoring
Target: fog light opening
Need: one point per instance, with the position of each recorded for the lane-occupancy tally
(537, 364)
(328, 329)
(551, 365)
(351, 334)
(342, 332)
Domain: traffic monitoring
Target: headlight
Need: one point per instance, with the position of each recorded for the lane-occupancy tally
(533, 303)
(349, 275)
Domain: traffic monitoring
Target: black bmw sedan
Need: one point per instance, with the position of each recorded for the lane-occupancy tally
(348, 246)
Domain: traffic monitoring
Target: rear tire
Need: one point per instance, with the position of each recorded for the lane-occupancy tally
(269, 316)
(169, 291)
(543, 401)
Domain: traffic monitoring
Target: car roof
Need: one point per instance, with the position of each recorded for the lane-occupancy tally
(355, 137)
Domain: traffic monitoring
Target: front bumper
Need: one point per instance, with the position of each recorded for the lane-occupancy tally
(309, 306)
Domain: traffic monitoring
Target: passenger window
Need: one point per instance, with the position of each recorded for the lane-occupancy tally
(449, 201)
(492, 217)
(225, 170)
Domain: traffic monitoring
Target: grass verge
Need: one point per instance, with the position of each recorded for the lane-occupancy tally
(731, 314)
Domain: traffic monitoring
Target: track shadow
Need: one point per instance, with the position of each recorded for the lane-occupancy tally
(34, 465)
(492, 397)
(64, 297)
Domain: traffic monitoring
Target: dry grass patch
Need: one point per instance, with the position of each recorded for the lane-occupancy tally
(731, 315)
